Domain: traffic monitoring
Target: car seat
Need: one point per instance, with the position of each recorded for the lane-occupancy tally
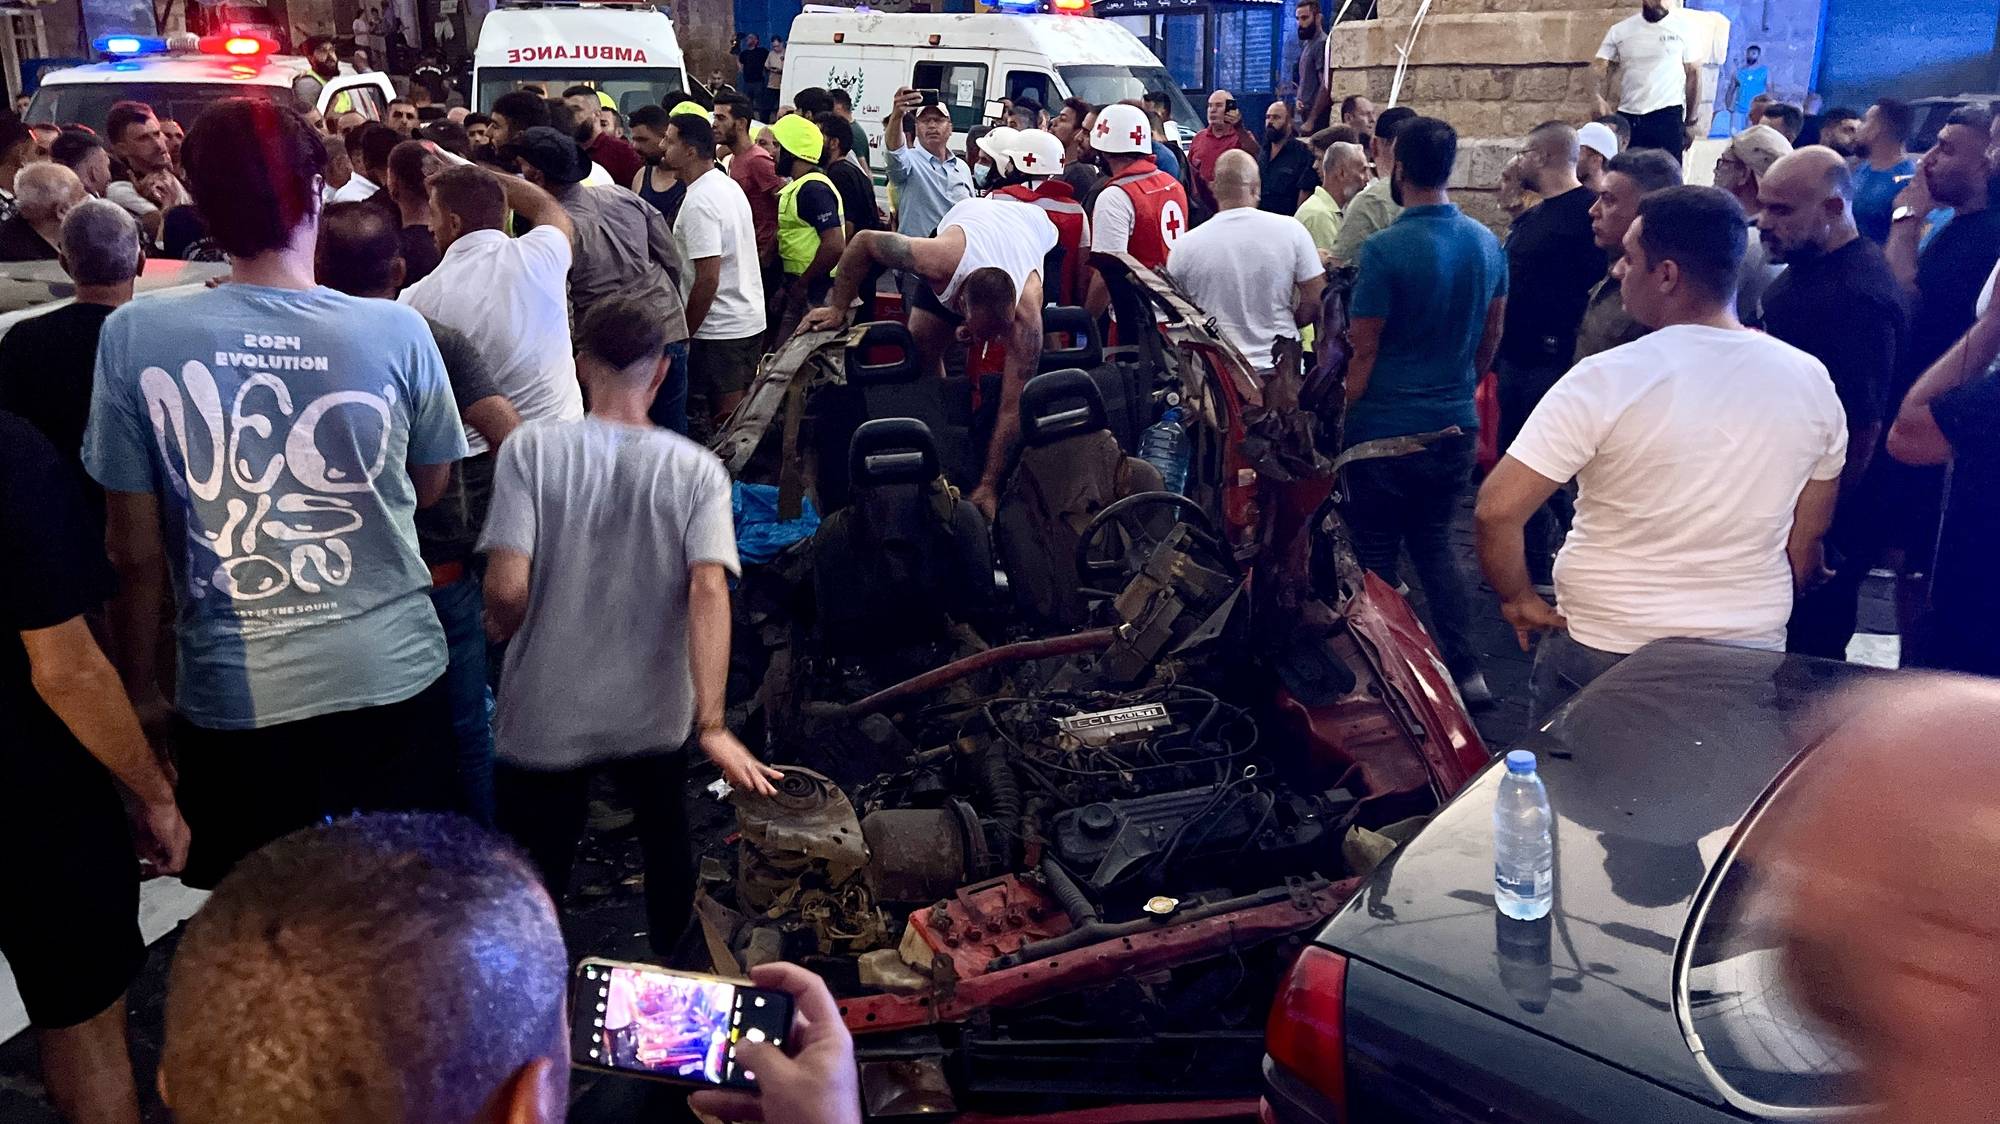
(1123, 380)
(1071, 468)
(906, 558)
(885, 382)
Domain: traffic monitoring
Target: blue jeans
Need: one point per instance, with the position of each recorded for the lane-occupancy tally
(670, 405)
(458, 608)
(1562, 668)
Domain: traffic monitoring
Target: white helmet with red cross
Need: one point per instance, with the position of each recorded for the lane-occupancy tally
(1035, 153)
(1122, 130)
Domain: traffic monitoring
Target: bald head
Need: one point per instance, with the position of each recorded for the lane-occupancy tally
(1548, 165)
(101, 244)
(1343, 171)
(1891, 935)
(1806, 207)
(47, 191)
(1237, 181)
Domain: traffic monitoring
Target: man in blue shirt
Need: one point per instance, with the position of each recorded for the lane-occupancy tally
(1427, 310)
(928, 179)
(269, 442)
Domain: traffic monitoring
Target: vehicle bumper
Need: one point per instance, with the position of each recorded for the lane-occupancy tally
(1289, 1100)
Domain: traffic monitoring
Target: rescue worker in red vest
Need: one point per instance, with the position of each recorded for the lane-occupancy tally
(979, 277)
(1141, 211)
(811, 230)
(1033, 161)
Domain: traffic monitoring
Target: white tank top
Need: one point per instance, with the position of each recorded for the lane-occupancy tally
(999, 233)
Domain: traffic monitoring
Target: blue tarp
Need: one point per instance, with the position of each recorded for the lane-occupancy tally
(760, 534)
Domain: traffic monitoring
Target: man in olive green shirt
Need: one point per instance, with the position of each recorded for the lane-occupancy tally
(1342, 172)
(1375, 207)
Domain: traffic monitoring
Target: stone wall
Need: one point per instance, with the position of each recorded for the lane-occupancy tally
(1493, 68)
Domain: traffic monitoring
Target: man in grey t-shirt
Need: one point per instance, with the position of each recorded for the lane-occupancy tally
(609, 544)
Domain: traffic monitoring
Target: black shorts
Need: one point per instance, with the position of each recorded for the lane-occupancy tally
(719, 367)
(241, 789)
(70, 925)
(917, 293)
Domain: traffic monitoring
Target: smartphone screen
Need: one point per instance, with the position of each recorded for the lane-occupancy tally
(671, 1026)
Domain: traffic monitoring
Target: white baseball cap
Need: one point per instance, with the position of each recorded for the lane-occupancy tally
(995, 142)
(1036, 152)
(1598, 137)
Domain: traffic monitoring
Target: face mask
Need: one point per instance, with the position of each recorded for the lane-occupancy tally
(984, 176)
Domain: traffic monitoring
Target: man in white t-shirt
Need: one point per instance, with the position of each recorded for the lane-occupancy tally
(508, 296)
(981, 278)
(1707, 457)
(1256, 272)
(1659, 79)
(725, 302)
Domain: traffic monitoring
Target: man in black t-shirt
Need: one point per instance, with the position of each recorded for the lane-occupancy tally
(47, 360)
(70, 928)
(1836, 301)
(1947, 275)
(1285, 165)
(1953, 414)
(1552, 262)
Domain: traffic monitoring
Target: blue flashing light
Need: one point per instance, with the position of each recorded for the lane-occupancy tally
(126, 46)
(1019, 7)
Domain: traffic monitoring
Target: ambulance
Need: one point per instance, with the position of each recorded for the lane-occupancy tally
(1046, 50)
(628, 51)
(179, 75)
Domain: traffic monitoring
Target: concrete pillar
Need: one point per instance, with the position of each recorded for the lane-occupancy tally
(705, 29)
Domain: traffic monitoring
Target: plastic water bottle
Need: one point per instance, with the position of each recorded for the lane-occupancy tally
(1523, 851)
(1164, 445)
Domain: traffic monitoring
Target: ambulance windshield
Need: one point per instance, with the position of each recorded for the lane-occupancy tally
(1103, 85)
(630, 87)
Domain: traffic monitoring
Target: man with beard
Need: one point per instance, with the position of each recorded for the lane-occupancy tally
(1838, 302)
(1552, 261)
(1285, 165)
(755, 170)
(1658, 77)
(324, 66)
(1840, 130)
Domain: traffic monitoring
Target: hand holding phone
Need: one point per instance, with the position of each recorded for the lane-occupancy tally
(817, 1083)
(680, 1027)
(926, 97)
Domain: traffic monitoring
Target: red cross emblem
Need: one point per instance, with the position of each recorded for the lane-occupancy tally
(1138, 135)
(1172, 221)
(1173, 225)
(1104, 128)
(1028, 160)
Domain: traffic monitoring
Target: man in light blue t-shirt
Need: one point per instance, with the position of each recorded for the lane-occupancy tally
(269, 441)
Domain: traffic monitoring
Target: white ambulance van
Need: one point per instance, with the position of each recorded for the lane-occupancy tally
(626, 50)
(973, 59)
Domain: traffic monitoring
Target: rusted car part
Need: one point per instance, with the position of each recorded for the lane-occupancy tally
(801, 851)
(778, 395)
(1088, 641)
(1140, 948)
(979, 925)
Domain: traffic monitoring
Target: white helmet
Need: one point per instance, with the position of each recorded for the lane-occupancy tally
(1036, 152)
(995, 144)
(1122, 129)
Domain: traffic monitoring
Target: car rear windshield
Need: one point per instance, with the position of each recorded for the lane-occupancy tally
(630, 89)
(180, 101)
(1761, 1051)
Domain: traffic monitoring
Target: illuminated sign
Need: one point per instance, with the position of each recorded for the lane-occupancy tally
(569, 52)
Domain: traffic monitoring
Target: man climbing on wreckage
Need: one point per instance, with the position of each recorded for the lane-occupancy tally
(981, 277)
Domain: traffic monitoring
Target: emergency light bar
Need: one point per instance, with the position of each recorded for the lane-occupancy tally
(120, 45)
(237, 46)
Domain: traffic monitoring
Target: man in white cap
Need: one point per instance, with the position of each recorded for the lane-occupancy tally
(979, 277)
(1035, 158)
(1598, 145)
(1737, 171)
(1142, 211)
(927, 177)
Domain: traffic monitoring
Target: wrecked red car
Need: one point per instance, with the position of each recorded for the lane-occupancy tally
(1063, 795)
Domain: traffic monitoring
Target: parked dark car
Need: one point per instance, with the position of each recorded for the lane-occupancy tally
(1932, 112)
(1650, 992)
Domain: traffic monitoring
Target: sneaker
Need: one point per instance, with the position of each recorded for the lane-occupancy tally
(1475, 693)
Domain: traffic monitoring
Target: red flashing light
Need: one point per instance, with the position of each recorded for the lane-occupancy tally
(1307, 1029)
(238, 46)
(1071, 7)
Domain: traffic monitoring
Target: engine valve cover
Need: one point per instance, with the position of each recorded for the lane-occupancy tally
(1106, 842)
(1102, 727)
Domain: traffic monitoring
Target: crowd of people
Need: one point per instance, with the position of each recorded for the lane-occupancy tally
(445, 409)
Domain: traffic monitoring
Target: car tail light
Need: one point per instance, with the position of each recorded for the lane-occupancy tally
(1306, 1031)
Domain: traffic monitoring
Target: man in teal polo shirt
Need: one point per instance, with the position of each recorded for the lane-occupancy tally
(1427, 309)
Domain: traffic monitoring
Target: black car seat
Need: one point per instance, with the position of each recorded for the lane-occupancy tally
(1123, 382)
(1071, 468)
(906, 557)
(885, 381)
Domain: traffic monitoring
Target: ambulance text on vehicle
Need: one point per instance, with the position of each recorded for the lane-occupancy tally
(625, 50)
(180, 75)
(971, 59)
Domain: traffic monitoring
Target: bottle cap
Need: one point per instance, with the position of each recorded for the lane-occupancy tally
(1520, 761)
